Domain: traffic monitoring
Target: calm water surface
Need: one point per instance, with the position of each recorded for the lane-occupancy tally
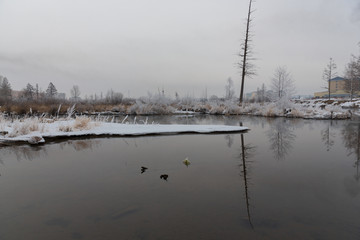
(284, 179)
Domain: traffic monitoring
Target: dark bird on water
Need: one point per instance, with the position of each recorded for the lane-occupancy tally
(164, 176)
(143, 169)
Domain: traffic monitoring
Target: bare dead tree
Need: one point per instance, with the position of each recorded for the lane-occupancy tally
(329, 73)
(282, 84)
(247, 69)
(75, 92)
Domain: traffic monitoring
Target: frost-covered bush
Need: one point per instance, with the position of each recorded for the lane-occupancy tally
(283, 103)
(82, 123)
(253, 109)
(217, 109)
(232, 108)
(26, 126)
(65, 128)
(141, 108)
(2, 122)
(223, 108)
(270, 111)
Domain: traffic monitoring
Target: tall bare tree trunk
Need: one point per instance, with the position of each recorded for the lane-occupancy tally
(245, 54)
(329, 74)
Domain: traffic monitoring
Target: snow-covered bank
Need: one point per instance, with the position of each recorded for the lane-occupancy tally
(308, 109)
(65, 128)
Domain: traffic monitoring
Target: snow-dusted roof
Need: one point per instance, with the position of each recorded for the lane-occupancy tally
(337, 79)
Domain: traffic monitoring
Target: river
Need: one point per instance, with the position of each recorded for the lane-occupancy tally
(283, 179)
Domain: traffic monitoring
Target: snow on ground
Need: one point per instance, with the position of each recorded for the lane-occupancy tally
(66, 128)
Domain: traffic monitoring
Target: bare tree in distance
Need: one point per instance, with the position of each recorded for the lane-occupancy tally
(352, 76)
(282, 84)
(247, 69)
(75, 93)
(261, 94)
(113, 97)
(329, 73)
(229, 89)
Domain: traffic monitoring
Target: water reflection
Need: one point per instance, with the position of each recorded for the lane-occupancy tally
(229, 139)
(30, 152)
(23, 152)
(247, 151)
(281, 137)
(81, 145)
(313, 195)
(327, 136)
(351, 139)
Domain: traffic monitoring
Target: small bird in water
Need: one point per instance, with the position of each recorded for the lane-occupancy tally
(164, 176)
(143, 169)
(186, 161)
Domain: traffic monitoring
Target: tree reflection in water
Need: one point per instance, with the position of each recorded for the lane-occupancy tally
(30, 152)
(351, 139)
(229, 140)
(247, 152)
(281, 137)
(23, 152)
(80, 145)
(327, 137)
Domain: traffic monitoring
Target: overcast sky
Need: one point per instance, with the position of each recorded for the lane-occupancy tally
(136, 46)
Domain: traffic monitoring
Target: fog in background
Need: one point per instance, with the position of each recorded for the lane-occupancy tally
(136, 46)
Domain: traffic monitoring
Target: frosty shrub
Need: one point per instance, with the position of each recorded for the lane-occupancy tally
(141, 108)
(161, 109)
(283, 103)
(2, 122)
(252, 109)
(217, 109)
(133, 109)
(270, 112)
(82, 123)
(231, 108)
(26, 126)
(65, 128)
